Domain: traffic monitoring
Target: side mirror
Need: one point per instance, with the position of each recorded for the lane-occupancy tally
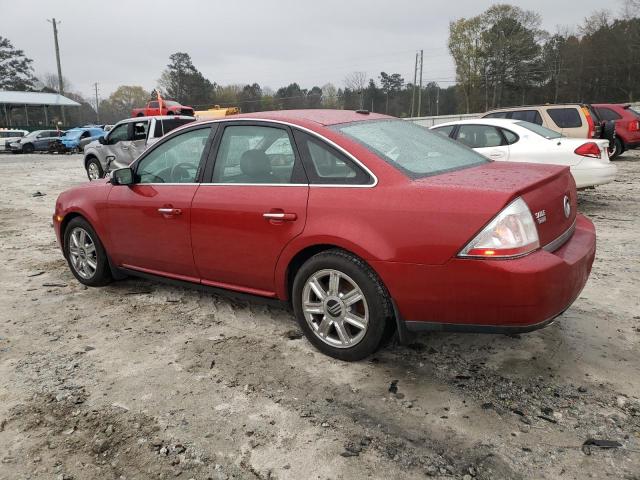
(122, 176)
(102, 140)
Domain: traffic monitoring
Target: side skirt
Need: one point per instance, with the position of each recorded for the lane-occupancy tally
(246, 297)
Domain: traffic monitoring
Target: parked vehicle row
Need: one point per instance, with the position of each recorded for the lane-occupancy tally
(520, 141)
(362, 221)
(126, 141)
(9, 136)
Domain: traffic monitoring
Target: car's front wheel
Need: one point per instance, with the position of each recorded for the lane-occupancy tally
(94, 169)
(341, 305)
(85, 254)
(28, 148)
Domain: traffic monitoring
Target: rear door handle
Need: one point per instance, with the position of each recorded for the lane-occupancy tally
(285, 217)
(170, 211)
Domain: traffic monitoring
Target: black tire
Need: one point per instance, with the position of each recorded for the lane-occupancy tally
(28, 148)
(140, 114)
(615, 148)
(377, 299)
(102, 274)
(170, 113)
(94, 163)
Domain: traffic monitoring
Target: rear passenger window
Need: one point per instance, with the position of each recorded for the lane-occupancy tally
(532, 116)
(325, 165)
(256, 154)
(496, 115)
(607, 114)
(565, 117)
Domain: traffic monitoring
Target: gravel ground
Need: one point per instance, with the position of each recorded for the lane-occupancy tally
(139, 380)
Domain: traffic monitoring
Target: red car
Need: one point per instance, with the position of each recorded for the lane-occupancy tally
(627, 123)
(361, 221)
(164, 107)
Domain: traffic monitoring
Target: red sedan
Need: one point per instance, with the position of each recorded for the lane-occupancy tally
(361, 221)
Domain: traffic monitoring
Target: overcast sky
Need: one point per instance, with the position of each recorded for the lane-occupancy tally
(272, 42)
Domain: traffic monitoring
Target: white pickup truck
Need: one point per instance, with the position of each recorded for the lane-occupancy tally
(126, 141)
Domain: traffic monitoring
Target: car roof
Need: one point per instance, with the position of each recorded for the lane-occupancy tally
(157, 117)
(541, 105)
(324, 117)
(498, 122)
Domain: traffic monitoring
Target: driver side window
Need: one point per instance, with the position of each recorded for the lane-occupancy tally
(118, 134)
(176, 160)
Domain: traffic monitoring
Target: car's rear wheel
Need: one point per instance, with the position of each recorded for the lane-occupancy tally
(28, 148)
(615, 148)
(85, 254)
(341, 305)
(94, 169)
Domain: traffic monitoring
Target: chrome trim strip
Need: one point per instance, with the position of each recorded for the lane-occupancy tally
(293, 125)
(561, 240)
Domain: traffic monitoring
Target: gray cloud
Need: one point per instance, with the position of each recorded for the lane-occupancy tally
(270, 42)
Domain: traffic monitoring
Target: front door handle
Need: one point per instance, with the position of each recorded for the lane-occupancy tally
(281, 216)
(170, 211)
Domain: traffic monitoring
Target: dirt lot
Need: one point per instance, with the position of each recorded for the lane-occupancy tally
(140, 380)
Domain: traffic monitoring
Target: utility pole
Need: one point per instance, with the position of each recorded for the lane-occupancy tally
(95, 85)
(60, 85)
(438, 101)
(415, 79)
(420, 89)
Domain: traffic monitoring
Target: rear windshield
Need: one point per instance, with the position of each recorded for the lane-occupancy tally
(635, 111)
(540, 130)
(165, 126)
(412, 149)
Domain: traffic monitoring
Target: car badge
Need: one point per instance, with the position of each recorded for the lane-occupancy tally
(541, 216)
(567, 206)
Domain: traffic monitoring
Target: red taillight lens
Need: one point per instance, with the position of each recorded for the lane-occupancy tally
(590, 123)
(589, 150)
(633, 126)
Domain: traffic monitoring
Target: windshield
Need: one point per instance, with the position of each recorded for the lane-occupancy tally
(540, 130)
(412, 149)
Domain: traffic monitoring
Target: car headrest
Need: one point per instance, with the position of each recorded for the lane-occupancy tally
(256, 165)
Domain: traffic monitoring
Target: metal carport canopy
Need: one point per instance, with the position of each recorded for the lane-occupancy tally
(35, 98)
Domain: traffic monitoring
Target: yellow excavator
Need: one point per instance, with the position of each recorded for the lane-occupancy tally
(216, 112)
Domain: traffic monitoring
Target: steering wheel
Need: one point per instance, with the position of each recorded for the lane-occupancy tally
(180, 172)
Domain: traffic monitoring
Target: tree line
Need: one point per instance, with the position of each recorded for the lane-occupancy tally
(502, 57)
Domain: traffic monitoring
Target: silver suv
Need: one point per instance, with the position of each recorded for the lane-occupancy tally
(126, 141)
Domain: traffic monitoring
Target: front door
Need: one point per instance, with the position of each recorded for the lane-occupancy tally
(150, 221)
(255, 204)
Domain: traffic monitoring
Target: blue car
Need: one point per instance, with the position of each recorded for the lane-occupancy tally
(76, 138)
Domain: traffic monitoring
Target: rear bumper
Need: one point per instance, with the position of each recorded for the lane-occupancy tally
(497, 296)
(592, 173)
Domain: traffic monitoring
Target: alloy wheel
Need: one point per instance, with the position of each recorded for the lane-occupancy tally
(93, 171)
(82, 253)
(335, 308)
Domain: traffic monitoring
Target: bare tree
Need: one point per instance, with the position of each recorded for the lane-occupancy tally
(357, 82)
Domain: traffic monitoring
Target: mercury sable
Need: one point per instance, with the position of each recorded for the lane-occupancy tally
(361, 221)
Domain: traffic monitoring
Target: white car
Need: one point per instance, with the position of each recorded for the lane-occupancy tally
(9, 136)
(520, 141)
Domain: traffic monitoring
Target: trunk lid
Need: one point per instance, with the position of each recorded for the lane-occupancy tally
(543, 188)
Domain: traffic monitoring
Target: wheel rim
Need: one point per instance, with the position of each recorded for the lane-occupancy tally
(94, 171)
(335, 308)
(82, 253)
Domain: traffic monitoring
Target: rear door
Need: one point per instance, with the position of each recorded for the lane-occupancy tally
(138, 143)
(487, 140)
(255, 203)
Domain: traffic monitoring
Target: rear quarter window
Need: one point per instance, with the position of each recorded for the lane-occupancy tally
(607, 114)
(565, 117)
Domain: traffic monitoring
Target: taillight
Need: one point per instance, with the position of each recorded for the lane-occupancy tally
(633, 126)
(512, 233)
(589, 149)
(590, 123)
